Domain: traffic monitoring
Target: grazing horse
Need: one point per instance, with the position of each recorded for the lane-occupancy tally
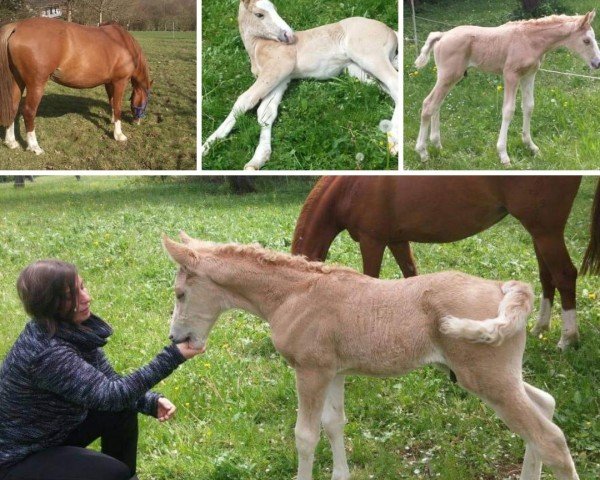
(381, 212)
(515, 50)
(329, 322)
(366, 48)
(35, 50)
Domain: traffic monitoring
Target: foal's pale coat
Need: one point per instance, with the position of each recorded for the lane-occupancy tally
(330, 322)
(515, 50)
(366, 48)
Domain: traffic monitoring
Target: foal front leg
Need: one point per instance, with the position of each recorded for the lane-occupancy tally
(267, 113)
(246, 101)
(333, 420)
(312, 387)
(527, 84)
(508, 111)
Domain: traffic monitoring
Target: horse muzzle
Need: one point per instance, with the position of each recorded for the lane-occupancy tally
(287, 36)
(595, 63)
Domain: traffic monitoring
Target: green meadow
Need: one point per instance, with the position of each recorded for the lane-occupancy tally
(321, 125)
(237, 402)
(73, 127)
(565, 120)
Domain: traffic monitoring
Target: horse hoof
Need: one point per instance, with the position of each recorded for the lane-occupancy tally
(12, 144)
(250, 168)
(120, 138)
(539, 329)
(568, 340)
(204, 149)
(35, 149)
(505, 161)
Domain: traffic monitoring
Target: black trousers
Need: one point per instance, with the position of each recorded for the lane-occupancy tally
(118, 433)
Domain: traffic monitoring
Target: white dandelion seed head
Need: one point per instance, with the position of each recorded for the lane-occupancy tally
(385, 126)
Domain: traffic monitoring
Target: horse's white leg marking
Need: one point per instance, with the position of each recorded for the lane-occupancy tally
(311, 388)
(32, 144)
(112, 118)
(267, 113)
(532, 463)
(527, 84)
(543, 322)
(355, 71)
(118, 134)
(570, 332)
(333, 420)
(246, 101)
(10, 141)
(508, 111)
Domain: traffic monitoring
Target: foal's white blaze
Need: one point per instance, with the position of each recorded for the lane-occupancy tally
(287, 34)
(10, 140)
(32, 144)
(118, 133)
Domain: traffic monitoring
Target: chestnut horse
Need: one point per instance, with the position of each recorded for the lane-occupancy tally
(380, 212)
(35, 50)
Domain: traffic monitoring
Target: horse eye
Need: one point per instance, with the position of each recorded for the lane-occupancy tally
(180, 296)
(587, 41)
(259, 15)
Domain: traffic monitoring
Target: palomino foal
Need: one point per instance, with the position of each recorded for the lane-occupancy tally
(329, 322)
(515, 50)
(366, 48)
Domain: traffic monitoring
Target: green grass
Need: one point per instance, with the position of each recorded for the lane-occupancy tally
(564, 123)
(74, 129)
(321, 124)
(237, 402)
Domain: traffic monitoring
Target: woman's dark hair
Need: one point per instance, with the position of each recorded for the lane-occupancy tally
(45, 287)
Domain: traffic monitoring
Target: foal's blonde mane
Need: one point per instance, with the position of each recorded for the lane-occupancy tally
(548, 21)
(269, 257)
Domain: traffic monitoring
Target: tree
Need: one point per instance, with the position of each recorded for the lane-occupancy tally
(530, 5)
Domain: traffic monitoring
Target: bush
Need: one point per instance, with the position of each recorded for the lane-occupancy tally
(543, 9)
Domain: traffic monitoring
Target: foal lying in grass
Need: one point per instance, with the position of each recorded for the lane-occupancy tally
(329, 322)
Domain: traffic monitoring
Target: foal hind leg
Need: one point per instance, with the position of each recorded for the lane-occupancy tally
(527, 84)
(333, 420)
(267, 113)
(32, 102)
(355, 71)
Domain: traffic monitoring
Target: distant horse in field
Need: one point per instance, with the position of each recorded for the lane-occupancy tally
(366, 48)
(515, 50)
(380, 212)
(35, 50)
(330, 322)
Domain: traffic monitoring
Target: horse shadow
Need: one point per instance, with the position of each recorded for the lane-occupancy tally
(54, 105)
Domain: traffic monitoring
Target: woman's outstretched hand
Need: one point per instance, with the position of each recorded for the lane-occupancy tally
(187, 351)
(165, 409)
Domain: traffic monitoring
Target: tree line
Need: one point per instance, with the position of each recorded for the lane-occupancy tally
(134, 14)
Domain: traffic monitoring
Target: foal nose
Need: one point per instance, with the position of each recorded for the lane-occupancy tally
(287, 37)
(596, 63)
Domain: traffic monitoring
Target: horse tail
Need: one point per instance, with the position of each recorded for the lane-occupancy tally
(512, 318)
(423, 58)
(317, 211)
(591, 259)
(7, 108)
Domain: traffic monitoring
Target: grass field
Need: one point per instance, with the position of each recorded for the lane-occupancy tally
(74, 129)
(565, 119)
(321, 124)
(237, 403)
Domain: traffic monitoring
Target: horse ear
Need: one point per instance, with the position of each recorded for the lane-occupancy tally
(181, 254)
(184, 237)
(588, 19)
(246, 3)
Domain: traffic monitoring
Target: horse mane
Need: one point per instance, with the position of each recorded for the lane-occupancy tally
(269, 257)
(139, 59)
(548, 21)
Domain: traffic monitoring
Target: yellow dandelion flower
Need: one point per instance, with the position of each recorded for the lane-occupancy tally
(499, 88)
(592, 296)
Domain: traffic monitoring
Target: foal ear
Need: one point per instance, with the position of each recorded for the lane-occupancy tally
(247, 3)
(588, 19)
(184, 237)
(181, 254)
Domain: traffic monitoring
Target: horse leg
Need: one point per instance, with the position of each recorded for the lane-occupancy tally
(511, 82)
(267, 113)
(17, 92)
(564, 277)
(333, 420)
(372, 255)
(435, 136)
(547, 298)
(32, 102)
(118, 88)
(246, 101)
(312, 387)
(110, 92)
(355, 71)
(527, 84)
(404, 257)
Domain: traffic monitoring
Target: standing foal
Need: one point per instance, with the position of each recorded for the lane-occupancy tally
(515, 50)
(366, 48)
(329, 322)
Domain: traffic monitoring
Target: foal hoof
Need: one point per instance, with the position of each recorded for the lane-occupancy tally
(204, 149)
(423, 154)
(250, 168)
(12, 144)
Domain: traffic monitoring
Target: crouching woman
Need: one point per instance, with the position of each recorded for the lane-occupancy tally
(59, 393)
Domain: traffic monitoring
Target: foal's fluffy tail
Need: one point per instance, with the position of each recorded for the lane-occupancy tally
(7, 109)
(512, 318)
(423, 58)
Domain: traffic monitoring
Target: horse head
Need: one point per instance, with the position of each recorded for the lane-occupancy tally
(259, 18)
(140, 96)
(583, 41)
